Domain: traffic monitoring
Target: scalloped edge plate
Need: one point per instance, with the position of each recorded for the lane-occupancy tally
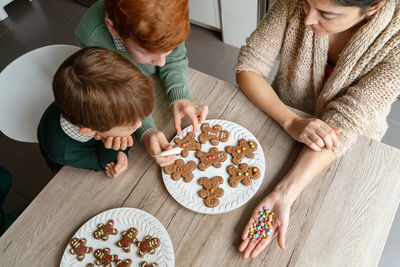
(187, 195)
(124, 218)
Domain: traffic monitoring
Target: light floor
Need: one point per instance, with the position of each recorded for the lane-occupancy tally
(43, 22)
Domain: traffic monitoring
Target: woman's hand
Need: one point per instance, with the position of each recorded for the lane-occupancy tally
(281, 208)
(197, 114)
(313, 132)
(156, 142)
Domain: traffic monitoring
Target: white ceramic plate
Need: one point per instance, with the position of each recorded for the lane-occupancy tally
(187, 194)
(124, 218)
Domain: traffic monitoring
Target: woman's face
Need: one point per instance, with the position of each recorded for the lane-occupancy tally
(326, 18)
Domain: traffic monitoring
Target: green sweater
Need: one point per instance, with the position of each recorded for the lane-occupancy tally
(59, 149)
(92, 31)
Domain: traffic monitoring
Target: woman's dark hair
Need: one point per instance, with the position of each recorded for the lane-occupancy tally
(363, 4)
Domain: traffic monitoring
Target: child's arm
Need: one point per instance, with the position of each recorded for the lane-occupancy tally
(309, 164)
(175, 77)
(313, 132)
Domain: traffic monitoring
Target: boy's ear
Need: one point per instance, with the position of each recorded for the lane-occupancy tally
(86, 131)
(110, 26)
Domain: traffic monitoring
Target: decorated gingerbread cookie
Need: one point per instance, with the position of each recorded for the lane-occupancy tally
(121, 263)
(145, 264)
(242, 174)
(213, 157)
(149, 245)
(103, 257)
(214, 134)
(179, 169)
(105, 230)
(79, 248)
(128, 238)
(187, 143)
(211, 191)
(244, 149)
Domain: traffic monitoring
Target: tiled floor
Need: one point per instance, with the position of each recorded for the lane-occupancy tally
(42, 22)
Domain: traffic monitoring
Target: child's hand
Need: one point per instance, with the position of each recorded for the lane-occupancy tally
(156, 142)
(280, 223)
(313, 132)
(116, 142)
(115, 169)
(197, 114)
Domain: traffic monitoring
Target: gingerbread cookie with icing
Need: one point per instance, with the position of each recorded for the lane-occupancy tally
(243, 174)
(211, 191)
(179, 169)
(213, 157)
(214, 134)
(123, 263)
(243, 149)
(105, 230)
(149, 245)
(187, 143)
(128, 238)
(145, 264)
(79, 248)
(103, 257)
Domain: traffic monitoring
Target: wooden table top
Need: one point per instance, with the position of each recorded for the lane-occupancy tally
(341, 219)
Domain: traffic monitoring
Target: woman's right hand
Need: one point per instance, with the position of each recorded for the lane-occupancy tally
(281, 208)
(313, 132)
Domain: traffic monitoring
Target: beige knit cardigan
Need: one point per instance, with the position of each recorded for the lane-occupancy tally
(365, 82)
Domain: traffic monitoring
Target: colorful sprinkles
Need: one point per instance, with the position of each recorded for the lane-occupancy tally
(263, 227)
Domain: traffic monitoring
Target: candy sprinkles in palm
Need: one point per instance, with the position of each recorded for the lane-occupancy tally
(263, 228)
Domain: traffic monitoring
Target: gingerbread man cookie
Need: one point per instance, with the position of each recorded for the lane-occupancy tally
(213, 157)
(242, 174)
(128, 238)
(125, 263)
(79, 248)
(145, 264)
(149, 245)
(214, 134)
(179, 169)
(187, 143)
(211, 191)
(103, 257)
(105, 230)
(244, 149)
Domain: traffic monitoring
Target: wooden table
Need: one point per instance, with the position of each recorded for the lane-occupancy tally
(341, 219)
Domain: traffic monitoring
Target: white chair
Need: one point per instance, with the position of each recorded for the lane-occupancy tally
(26, 90)
(3, 13)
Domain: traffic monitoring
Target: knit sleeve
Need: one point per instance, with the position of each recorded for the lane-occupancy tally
(364, 101)
(264, 44)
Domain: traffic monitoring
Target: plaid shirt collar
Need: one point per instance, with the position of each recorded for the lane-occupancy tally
(118, 43)
(73, 131)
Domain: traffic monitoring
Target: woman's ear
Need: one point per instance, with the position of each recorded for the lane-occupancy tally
(110, 26)
(86, 131)
(373, 9)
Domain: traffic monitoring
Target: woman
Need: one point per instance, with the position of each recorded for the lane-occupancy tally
(340, 61)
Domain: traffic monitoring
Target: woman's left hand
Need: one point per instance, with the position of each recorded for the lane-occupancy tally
(281, 208)
(196, 114)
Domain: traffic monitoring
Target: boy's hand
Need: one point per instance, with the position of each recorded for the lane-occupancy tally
(116, 142)
(181, 108)
(115, 169)
(156, 142)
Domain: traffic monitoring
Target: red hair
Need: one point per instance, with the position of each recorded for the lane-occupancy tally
(157, 26)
